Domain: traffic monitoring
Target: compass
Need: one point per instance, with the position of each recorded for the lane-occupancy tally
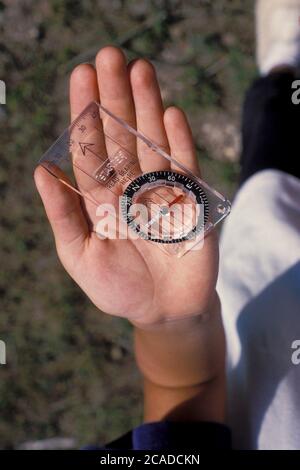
(176, 207)
(96, 155)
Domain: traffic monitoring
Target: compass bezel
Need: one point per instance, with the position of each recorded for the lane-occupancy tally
(168, 178)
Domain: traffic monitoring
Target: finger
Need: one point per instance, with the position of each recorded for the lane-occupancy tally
(116, 96)
(90, 151)
(149, 114)
(63, 210)
(83, 88)
(180, 139)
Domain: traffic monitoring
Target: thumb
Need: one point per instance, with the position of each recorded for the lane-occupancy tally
(63, 210)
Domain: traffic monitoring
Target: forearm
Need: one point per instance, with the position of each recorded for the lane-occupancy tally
(183, 364)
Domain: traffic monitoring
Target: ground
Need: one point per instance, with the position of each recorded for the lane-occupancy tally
(70, 370)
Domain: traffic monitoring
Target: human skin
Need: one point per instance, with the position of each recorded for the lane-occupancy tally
(172, 302)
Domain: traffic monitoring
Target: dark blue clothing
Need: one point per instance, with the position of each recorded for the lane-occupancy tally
(270, 126)
(165, 435)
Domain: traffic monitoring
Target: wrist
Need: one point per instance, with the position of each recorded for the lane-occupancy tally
(183, 323)
(182, 352)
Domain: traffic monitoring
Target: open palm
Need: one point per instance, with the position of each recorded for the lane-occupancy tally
(132, 279)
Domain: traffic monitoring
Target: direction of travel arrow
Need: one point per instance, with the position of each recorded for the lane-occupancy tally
(85, 146)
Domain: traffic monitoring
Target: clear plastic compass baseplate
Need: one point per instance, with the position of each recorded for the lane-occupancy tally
(170, 208)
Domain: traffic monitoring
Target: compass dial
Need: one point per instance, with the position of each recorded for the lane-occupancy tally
(165, 207)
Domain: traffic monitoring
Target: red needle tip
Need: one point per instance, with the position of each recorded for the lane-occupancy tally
(177, 199)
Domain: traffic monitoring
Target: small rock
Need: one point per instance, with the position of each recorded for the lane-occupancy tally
(228, 39)
(55, 443)
(116, 353)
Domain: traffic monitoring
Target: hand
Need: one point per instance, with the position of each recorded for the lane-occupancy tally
(123, 277)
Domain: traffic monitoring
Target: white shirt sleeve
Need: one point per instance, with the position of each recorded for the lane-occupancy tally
(259, 287)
